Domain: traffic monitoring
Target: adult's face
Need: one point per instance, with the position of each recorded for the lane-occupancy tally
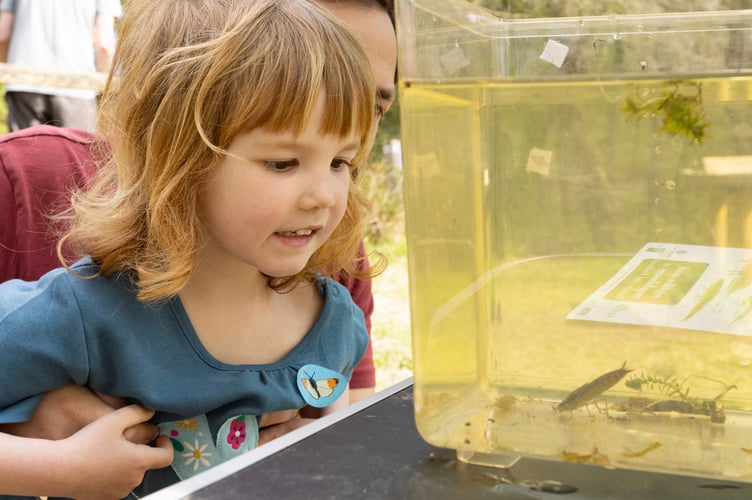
(373, 28)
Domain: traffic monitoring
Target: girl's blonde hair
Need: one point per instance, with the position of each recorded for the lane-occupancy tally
(187, 76)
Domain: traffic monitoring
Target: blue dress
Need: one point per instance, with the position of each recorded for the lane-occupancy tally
(65, 329)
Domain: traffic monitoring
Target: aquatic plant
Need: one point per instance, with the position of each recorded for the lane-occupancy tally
(681, 111)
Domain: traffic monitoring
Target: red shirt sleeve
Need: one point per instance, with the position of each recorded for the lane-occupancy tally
(38, 168)
(8, 264)
(364, 375)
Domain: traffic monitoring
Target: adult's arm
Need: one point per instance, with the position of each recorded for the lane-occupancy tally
(8, 250)
(104, 41)
(6, 29)
(39, 166)
(363, 380)
(64, 411)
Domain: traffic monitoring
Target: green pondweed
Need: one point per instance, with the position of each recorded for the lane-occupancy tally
(679, 104)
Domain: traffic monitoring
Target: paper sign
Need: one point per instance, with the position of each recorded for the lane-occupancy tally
(682, 286)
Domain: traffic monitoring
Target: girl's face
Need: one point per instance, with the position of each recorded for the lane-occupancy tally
(276, 198)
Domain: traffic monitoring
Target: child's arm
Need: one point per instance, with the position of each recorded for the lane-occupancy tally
(97, 462)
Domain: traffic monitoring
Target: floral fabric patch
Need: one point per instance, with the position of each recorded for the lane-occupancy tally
(194, 450)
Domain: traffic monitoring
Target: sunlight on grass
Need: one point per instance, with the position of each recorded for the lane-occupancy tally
(391, 318)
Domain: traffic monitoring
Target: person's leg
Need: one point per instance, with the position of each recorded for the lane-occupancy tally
(25, 109)
(73, 112)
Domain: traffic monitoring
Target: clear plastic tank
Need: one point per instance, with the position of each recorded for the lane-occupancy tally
(579, 228)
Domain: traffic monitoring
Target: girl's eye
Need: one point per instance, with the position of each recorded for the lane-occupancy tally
(341, 164)
(281, 165)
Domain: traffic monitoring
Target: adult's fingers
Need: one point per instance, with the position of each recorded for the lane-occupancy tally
(277, 417)
(271, 432)
(111, 400)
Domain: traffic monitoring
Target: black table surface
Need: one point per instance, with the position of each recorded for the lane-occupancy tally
(375, 452)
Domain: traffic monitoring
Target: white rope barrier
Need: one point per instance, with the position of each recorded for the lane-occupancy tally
(10, 73)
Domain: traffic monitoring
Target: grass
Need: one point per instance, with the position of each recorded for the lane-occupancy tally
(390, 322)
(391, 318)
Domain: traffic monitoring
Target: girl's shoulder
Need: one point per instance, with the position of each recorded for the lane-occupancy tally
(63, 288)
(340, 314)
(337, 297)
(332, 289)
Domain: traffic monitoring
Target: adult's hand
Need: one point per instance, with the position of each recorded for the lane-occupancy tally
(278, 423)
(63, 412)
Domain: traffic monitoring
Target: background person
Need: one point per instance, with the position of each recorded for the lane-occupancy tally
(68, 36)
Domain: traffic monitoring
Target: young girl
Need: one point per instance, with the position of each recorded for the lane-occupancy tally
(212, 235)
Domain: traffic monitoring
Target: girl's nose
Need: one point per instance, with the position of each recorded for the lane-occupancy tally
(320, 192)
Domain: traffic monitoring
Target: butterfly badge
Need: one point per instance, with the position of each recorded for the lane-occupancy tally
(320, 386)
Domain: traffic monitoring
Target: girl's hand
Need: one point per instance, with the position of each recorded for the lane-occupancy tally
(99, 462)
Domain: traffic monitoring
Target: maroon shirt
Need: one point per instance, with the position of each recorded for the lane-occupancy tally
(39, 166)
